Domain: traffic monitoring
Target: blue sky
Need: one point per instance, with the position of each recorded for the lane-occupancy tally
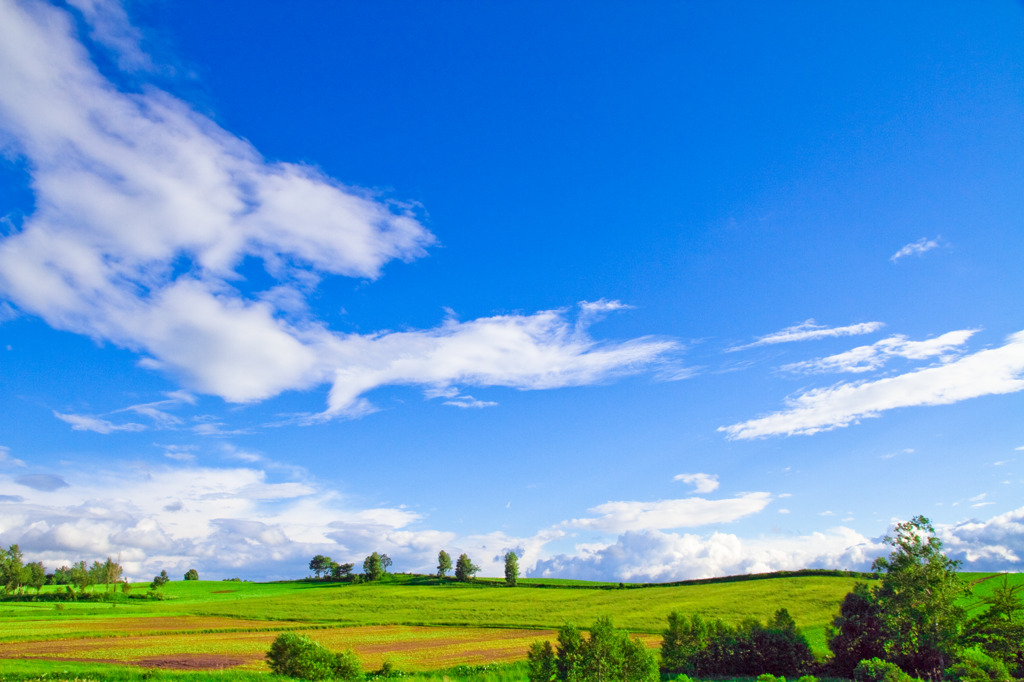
(652, 292)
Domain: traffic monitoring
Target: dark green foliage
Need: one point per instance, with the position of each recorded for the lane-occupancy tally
(542, 663)
(999, 631)
(511, 569)
(34, 575)
(444, 563)
(877, 670)
(341, 572)
(570, 650)
(299, 656)
(320, 564)
(856, 633)
(464, 568)
(699, 648)
(191, 574)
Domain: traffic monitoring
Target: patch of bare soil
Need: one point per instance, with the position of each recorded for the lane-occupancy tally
(191, 662)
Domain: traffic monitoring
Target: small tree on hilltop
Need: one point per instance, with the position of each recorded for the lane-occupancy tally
(320, 564)
(511, 569)
(192, 574)
(444, 563)
(464, 568)
(372, 567)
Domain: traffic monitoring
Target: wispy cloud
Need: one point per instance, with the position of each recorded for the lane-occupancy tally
(702, 483)
(7, 460)
(84, 422)
(868, 358)
(988, 372)
(810, 331)
(149, 184)
(922, 245)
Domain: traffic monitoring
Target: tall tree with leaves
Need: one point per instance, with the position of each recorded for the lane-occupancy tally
(511, 569)
(11, 569)
(372, 568)
(319, 565)
(917, 595)
(444, 563)
(464, 568)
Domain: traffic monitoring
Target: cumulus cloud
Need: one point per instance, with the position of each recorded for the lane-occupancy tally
(618, 517)
(656, 556)
(702, 483)
(810, 331)
(869, 358)
(989, 372)
(146, 210)
(996, 544)
(922, 245)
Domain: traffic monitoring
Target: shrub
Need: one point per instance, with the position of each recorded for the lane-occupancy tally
(977, 666)
(299, 656)
(807, 678)
(768, 677)
(877, 670)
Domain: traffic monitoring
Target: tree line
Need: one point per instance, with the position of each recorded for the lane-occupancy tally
(376, 565)
(16, 577)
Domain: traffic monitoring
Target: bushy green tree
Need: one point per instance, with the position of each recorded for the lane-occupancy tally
(606, 655)
(319, 565)
(999, 629)
(878, 670)
(511, 569)
(341, 571)
(191, 574)
(974, 665)
(917, 600)
(11, 569)
(372, 567)
(444, 563)
(681, 641)
(855, 634)
(34, 575)
(299, 656)
(464, 568)
(541, 662)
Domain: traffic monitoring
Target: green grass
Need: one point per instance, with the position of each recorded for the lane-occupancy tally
(542, 604)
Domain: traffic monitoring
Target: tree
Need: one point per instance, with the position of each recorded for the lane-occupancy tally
(606, 655)
(921, 621)
(444, 563)
(319, 564)
(191, 574)
(385, 562)
(341, 571)
(10, 569)
(372, 568)
(111, 573)
(299, 656)
(999, 631)
(464, 568)
(160, 580)
(511, 569)
(81, 577)
(855, 634)
(541, 662)
(34, 575)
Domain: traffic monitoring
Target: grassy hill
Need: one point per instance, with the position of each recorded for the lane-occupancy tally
(464, 622)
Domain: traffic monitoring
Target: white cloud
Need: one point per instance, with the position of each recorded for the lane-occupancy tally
(868, 358)
(989, 372)
(654, 556)
(82, 422)
(132, 186)
(810, 331)
(702, 483)
(916, 248)
(619, 517)
(996, 544)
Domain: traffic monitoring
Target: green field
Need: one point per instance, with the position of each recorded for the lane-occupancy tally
(417, 623)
